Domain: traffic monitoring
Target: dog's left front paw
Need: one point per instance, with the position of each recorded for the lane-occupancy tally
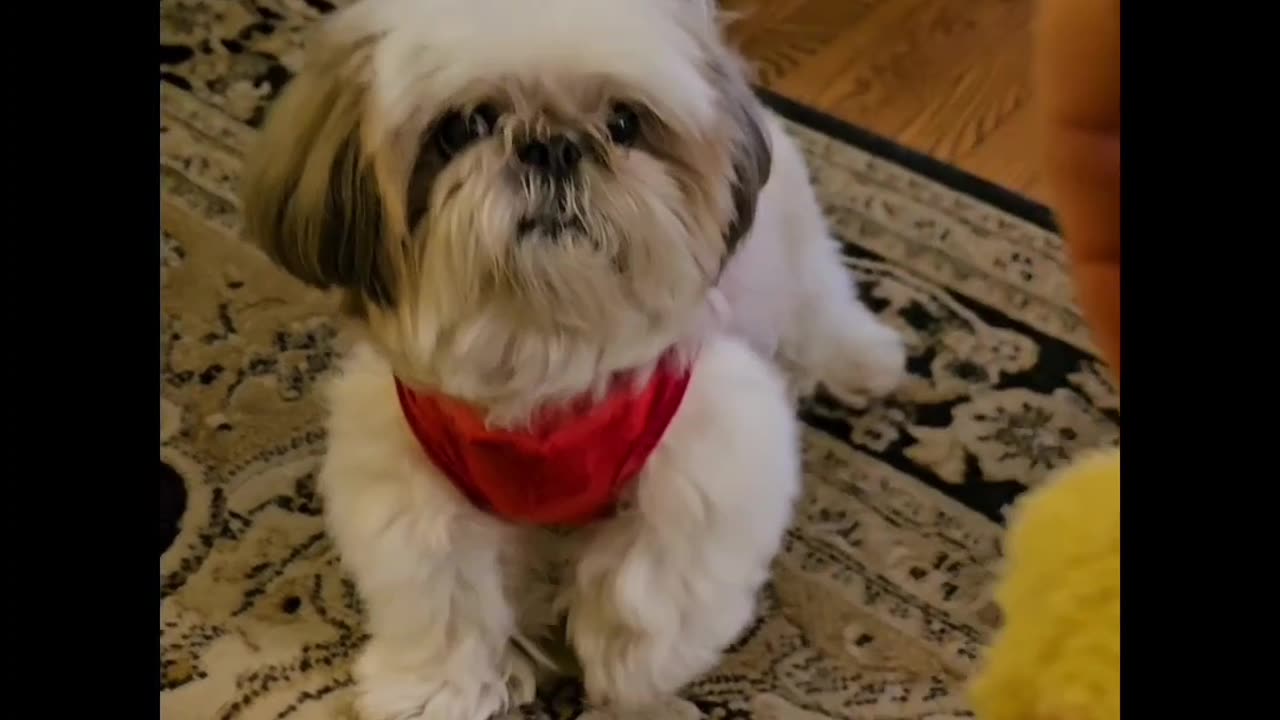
(617, 663)
(628, 669)
(389, 688)
(670, 709)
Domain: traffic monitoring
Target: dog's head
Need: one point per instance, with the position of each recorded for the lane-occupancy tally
(507, 189)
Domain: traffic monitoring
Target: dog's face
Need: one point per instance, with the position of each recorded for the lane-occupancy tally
(509, 187)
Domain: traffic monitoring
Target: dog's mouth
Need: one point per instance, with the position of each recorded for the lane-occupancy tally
(549, 226)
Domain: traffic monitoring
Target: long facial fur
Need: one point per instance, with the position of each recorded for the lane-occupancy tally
(347, 189)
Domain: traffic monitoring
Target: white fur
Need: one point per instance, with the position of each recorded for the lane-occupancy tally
(653, 595)
(792, 297)
(459, 602)
(659, 592)
(454, 42)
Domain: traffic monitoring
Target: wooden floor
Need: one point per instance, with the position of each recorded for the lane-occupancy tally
(946, 77)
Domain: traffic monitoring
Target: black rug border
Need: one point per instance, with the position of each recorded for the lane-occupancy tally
(919, 163)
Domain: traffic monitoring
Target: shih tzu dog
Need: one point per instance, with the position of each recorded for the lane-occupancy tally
(591, 275)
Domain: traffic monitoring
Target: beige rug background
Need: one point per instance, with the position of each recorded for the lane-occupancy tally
(879, 605)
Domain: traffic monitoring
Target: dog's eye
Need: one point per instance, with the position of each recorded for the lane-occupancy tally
(624, 124)
(457, 130)
(484, 119)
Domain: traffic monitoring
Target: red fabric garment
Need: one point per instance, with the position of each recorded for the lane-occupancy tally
(569, 468)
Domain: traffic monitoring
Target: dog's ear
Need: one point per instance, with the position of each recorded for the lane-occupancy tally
(752, 152)
(309, 197)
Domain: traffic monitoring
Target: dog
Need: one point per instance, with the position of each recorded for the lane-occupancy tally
(591, 278)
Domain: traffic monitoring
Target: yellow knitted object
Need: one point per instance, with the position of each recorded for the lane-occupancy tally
(1058, 655)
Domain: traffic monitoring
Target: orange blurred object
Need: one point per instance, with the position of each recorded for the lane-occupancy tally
(1077, 78)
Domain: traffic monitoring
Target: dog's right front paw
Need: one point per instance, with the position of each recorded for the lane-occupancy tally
(386, 691)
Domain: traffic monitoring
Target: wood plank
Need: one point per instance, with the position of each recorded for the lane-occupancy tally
(780, 36)
(1009, 156)
(946, 77)
(979, 117)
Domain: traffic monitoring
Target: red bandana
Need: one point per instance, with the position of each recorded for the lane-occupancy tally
(567, 470)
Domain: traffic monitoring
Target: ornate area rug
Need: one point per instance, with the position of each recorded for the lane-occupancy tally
(878, 607)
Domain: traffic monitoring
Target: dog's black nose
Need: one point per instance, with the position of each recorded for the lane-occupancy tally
(557, 156)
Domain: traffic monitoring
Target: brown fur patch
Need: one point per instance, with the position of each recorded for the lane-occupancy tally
(311, 200)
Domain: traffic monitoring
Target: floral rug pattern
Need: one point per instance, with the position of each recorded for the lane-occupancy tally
(878, 607)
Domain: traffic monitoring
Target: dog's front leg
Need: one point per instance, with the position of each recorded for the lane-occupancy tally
(662, 589)
(439, 618)
(426, 563)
